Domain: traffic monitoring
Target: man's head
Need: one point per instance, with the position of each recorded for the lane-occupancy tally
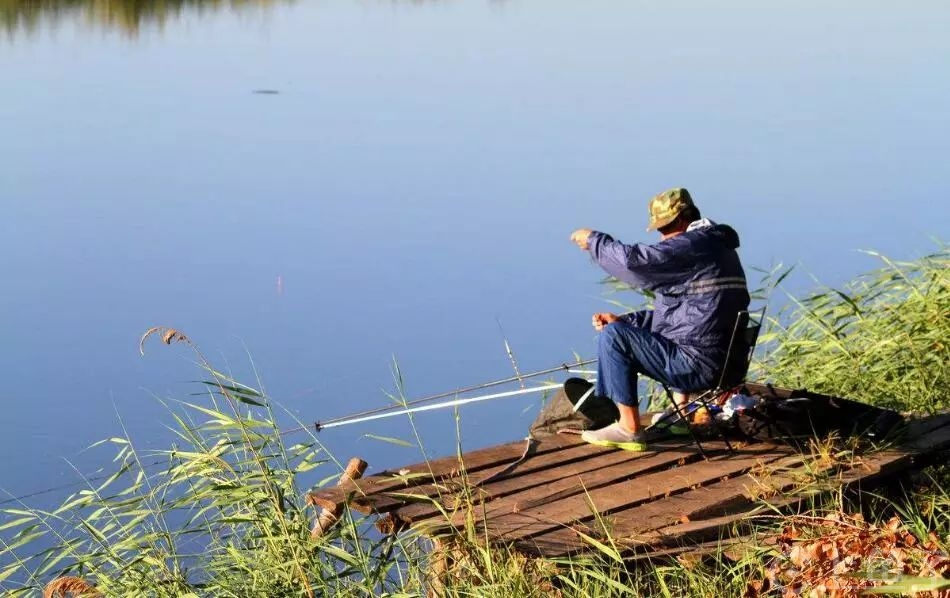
(671, 212)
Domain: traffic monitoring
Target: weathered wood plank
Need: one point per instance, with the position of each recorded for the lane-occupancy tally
(438, 469)
(709, 501)
(545, 516)
(717, 498)
(506, 493)
(527, 472)
(725, 503)
(733, 548)
(554, 547)
(443, 468)
(549, 468)
(870, 469)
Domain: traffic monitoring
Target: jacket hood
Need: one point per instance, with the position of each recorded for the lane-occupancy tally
(707, 231)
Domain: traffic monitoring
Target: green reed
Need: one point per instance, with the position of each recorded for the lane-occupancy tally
(883, 339)
(220, 513)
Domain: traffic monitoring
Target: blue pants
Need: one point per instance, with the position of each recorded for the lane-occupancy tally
(625, 350)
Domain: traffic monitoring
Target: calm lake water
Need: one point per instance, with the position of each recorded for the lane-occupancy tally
(411, 184)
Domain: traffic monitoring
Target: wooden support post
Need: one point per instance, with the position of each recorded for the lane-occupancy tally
(354, 471)
(438, 568)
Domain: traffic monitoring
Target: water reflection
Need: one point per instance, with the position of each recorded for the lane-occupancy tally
(127, 16)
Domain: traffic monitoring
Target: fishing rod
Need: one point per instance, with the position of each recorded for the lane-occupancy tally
(355, 420)
(406, 407)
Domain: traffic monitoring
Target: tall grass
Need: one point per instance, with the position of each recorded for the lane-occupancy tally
(222, 511)
(884, 339)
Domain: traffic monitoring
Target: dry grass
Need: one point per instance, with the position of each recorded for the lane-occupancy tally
(70, 587)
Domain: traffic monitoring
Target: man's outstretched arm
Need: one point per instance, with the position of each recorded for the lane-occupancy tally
(640, 265)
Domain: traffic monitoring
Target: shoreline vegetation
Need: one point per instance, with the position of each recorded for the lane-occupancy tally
(222, 511)
(126, 16)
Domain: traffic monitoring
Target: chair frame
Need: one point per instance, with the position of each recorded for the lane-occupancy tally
(750, 325)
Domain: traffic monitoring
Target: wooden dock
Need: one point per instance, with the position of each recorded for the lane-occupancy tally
(654, 503)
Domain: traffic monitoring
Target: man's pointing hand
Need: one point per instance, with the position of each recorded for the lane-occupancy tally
(580, 236)
(602, 319)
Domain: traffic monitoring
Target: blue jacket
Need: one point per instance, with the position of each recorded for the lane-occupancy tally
(699, 284)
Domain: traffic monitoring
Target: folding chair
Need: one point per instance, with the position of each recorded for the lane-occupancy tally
(745, 335)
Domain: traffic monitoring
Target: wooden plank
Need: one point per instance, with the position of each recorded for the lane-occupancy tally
(552, 503)
(621, 465)
(442, 468)
(913, 435)
(548, 468)
(505, 494)
(437, 469)
(580, 508)
(725, 502)
(551, 547)
(927, 433)
(717, 498)
(733, 548)
(608, 500)
(545, 515)
(873, 467)
(525, 472)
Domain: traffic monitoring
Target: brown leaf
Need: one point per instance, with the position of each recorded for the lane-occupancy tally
(64, 587)
(830, 551)
(753, 589)
(813, 550)
(797, 555)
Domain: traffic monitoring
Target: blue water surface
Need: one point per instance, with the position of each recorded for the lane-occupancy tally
(409, 192)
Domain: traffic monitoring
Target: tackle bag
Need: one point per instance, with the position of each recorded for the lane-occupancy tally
(559, 413)
(797, 415)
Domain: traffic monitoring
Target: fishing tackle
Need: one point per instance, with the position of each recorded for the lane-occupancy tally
(410, 406)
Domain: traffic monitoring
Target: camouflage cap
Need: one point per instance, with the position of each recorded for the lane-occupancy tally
(665, 207)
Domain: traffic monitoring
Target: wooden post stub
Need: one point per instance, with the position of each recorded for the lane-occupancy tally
(354, 471)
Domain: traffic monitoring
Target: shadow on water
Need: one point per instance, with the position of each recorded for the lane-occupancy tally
(126, 16)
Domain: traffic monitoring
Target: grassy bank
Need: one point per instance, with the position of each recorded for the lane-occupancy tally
(884, 339)
(222, 513)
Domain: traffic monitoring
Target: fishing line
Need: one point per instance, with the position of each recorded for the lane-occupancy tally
(86, 481)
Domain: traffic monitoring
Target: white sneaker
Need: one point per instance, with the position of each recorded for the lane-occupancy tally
(615, 436)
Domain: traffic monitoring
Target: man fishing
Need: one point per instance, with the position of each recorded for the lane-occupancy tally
(699, 286)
